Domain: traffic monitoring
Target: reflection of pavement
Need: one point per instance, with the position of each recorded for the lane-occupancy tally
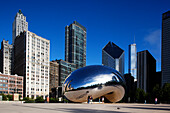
(83, 108)
(112, 93)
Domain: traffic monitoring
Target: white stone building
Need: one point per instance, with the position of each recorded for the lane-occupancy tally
(6, 58)
(34, 66)
(31, 58)
(19, 25)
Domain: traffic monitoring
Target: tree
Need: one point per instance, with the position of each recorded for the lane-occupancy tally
(4, 97)
(39, 100)
(53, 100)
(166, 93)
(140, 95)
(10, 97)
(20, 97)
(148, 98)
(26, 98)
(156, 93)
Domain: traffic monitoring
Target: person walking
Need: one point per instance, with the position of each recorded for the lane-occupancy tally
(91, 99)
(156, 100)
(99, 99)
(102, 99)
(88, 99)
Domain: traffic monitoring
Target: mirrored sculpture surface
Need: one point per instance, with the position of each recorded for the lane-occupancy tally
(95, 81)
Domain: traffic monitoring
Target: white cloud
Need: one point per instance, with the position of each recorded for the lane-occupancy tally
(153, 38)
(153, 44)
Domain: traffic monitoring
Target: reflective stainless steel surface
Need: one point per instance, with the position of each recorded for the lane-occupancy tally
(95, 81)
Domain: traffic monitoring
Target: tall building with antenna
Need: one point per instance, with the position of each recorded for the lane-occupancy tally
(132, 60)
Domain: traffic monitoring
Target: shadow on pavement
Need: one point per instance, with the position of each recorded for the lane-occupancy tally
(72, 110)
(149, 108)
(157, 105)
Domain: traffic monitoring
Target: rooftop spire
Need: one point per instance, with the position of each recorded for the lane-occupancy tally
(134, 39)
(20, 11)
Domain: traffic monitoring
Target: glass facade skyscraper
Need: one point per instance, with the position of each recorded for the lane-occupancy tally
(165, 48)
(59, 71)
(65, 68)
(75, 44)
(132, 60)
(113, 56)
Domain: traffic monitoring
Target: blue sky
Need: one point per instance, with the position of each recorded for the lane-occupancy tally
(106, 20)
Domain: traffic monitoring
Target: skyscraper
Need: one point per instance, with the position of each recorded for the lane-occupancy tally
(132, 60)
(32, 61)
(165, 48)
(59, 71)
(146, 70)
(113, 56)
(75, 44)
(31, 58)
(19, 25)
(6, 58)
(54, 78)
(65, 68)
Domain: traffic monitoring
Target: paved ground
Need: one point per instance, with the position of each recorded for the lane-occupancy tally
(83, 108)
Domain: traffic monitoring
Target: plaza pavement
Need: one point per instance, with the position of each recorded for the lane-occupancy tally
(82, 108)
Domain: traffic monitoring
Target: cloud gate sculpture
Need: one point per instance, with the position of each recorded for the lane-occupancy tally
(95, 81)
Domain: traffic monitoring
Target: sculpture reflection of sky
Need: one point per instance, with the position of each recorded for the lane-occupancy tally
(100, 79)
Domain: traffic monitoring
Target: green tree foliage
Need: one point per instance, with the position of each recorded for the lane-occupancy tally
(162, 95)
(20, 97)
(30, 101)
(140, 95)
(156, 93)
(149, 98)
(4, 97)
(39, 100)
(10, 97)
(53, 100)
(65, 100)
(166, 93)
(26, 98)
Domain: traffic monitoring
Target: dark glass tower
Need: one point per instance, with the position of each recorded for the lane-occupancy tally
(146, 71)
(75, 44)
(165, 48)
(65, 68)
(59, 71)
(113, 56)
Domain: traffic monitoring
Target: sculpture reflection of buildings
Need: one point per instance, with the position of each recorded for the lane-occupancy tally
(58, 73)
